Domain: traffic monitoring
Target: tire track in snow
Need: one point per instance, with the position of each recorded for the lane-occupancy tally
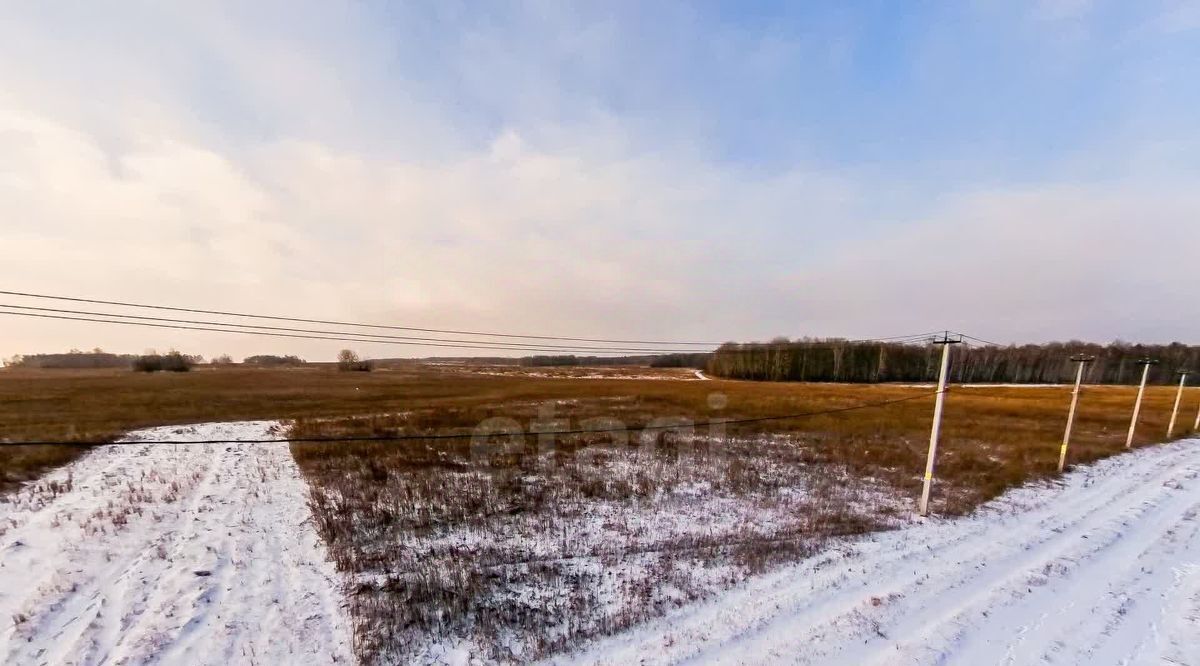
(1123, 581)
(198, 554)
(985, 617)
(1102, 568)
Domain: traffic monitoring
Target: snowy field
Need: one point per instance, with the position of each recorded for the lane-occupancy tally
(206, 555)
(169, 554)
(576, 372)
(1103, 568)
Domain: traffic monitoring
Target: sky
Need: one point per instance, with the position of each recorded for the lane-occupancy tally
(1020, 171)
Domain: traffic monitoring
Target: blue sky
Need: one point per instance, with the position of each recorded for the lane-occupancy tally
(1011, 87)
(727, 170)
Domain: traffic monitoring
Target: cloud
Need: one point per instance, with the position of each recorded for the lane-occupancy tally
(492, 240)
(462, 177)
(1098, 262)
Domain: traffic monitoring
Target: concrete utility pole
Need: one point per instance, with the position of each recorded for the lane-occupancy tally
(945, 342)
(1196, 425)
(1178, 397)
(1137, 406)
(1080, 361)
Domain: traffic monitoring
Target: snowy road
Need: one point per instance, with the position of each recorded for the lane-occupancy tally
(169, 554)
(1101, 569)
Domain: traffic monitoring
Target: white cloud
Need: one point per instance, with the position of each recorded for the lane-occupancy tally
(502, 239)
(208, 166)
(1098, 262)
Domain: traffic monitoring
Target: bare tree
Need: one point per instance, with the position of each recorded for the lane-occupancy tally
(349, 360)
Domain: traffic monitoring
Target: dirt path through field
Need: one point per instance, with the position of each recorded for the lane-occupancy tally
(200, 554)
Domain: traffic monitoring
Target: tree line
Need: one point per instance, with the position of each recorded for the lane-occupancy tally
(74, 359)
(834, 360)
(98, 358)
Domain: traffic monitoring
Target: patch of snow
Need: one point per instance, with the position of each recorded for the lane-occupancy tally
(1102, 567)
(987, 386)
(583, 372)
(196, 554)
(1014, 386)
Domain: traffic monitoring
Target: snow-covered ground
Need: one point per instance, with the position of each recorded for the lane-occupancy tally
(991, 386)
(205, 554)
(1102, 568)
(199, 554)
(575, 372)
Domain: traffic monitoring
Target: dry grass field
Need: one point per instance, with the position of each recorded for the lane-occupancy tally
(522, 547)
(548, 541)
(100, 405)
(994, 437)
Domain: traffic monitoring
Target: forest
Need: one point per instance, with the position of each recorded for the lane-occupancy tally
(98, 358)
(75, 359)
(834, 360)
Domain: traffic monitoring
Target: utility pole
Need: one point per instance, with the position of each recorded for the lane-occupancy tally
(945, 341)
(1196, 425)
(1137, 406)
(1080, 361)
(1178, 396)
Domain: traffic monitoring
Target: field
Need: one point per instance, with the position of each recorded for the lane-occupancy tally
(520, 547)
(1097, 567)
(197, 555)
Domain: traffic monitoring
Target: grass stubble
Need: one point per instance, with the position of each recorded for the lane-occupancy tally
(524, 548)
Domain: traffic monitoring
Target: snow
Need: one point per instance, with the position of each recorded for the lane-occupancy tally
(1011, 385)
(580, 372)
(205, 554)
(196, 554)
(989, 386)
(1100, 568)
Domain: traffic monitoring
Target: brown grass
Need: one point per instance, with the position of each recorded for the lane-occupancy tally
(994, 437)
(437, 539)
(101, 405)
(438, 536)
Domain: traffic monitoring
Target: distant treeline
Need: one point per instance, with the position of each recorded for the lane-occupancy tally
(868, 362)
(544, 361)
(169, 362)
(97, 358)
(73, 360)
(270, 360)
(699, 361)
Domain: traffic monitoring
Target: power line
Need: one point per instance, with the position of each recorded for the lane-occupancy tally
(344, 338)
(489, 343)
(368, 337)
(622, 352)
(915, 336)
(345, 323)
(350, 336)
(986, 342)
(454, 436)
